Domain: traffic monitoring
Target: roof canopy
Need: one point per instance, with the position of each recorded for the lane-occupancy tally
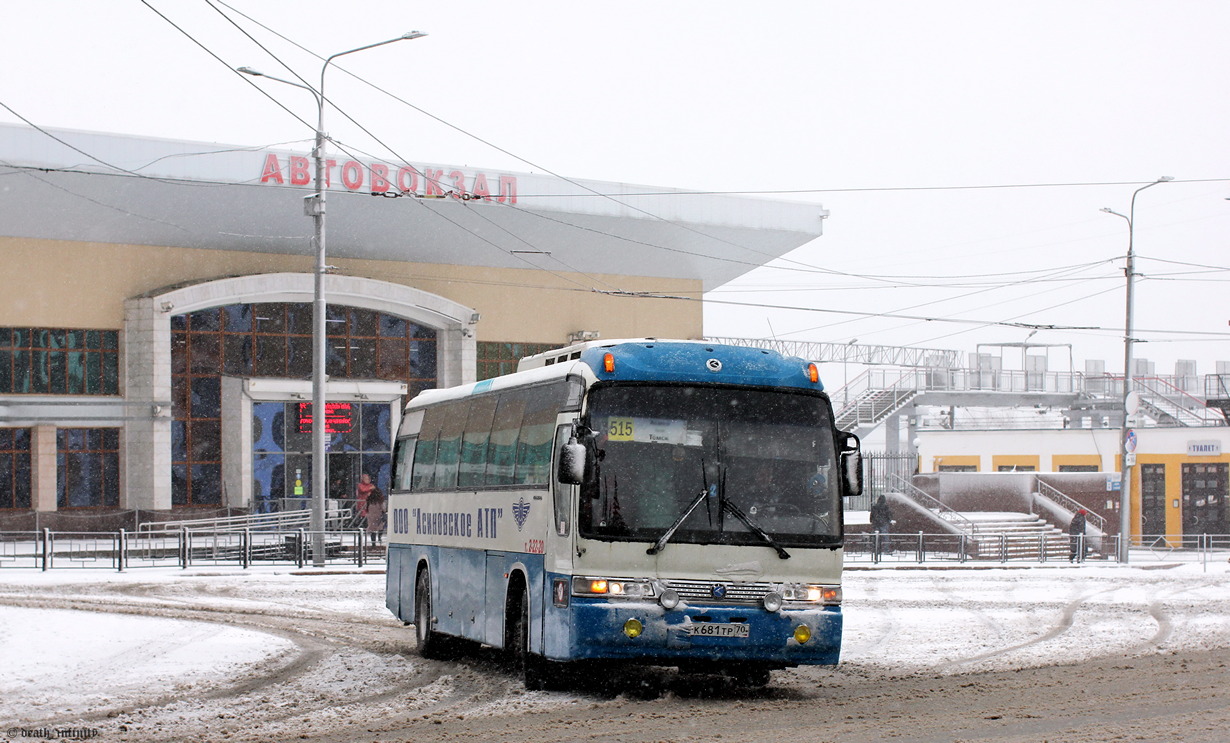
(94, 187)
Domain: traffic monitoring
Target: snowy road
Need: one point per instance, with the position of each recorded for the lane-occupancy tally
(1096, 653)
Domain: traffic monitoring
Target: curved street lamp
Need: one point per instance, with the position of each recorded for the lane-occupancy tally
(1128, 458)
(314, 206)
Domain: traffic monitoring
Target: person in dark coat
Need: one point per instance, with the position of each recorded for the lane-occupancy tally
(1076, 537)
(375, 514)
(881, 525)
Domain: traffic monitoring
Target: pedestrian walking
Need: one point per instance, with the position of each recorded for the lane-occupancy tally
(881, 526)
(1076, 537)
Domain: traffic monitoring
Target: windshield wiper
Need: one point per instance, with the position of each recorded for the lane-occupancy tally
(724, 506)
(702, 496)
(729, 506)
(708, 493)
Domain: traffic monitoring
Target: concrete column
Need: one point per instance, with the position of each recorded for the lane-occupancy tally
(147, 390)
(456, 356)
(43, 469)
(236, 444)
(892, 434)
(911, 431)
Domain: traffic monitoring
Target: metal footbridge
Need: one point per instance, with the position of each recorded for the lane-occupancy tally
(900, 377)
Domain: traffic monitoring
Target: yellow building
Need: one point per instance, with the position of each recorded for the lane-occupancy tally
(1180, 482)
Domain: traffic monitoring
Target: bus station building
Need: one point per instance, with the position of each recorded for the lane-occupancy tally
(155, 333)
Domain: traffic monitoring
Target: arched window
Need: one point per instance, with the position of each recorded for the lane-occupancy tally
(273, 340)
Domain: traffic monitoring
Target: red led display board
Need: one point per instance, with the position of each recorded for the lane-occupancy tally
(338, 417)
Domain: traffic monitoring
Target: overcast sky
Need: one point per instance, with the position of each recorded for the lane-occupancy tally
(947, 139)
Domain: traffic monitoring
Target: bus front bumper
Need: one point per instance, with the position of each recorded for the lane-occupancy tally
(648, 633)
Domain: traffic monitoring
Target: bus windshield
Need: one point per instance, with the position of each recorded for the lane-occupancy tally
(769, 453)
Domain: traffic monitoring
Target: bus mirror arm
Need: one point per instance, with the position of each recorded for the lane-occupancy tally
(851, 464)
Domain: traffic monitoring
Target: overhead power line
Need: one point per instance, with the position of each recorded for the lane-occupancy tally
(797, 266)
(883, 189)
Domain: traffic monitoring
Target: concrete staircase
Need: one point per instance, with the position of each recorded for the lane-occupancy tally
(1015, 536)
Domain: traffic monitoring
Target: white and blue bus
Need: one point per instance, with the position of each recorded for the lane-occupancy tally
(670, 503)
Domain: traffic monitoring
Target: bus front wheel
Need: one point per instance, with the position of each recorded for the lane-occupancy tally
(751, 678)
(532, 668)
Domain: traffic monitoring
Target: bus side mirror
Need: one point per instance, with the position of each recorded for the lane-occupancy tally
(851, 464)
(572, 462)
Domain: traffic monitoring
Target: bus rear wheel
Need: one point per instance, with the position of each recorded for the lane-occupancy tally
(431, 643)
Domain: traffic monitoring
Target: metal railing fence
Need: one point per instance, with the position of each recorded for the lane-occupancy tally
(920, 547)
(124, 550)
(879, 469)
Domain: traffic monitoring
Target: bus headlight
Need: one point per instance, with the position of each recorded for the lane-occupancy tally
(810, 593)
(615, 588)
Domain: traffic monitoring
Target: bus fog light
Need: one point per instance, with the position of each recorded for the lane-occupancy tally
(669, 599)
(802, 634)
(772, 601)
(633, 628)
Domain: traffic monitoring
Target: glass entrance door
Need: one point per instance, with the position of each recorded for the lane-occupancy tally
(1205, 488)
(359, 441)
(1152, 501)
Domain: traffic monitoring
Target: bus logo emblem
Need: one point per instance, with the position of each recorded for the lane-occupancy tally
(713, 365)
(718, 591)
(521, 511)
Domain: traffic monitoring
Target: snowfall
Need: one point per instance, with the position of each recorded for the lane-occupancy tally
(61, 664)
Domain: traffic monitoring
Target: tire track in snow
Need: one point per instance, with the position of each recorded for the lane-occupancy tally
(265, 693)
(1156, 610)
(1066, 619)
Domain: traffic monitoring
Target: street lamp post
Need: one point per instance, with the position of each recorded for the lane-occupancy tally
(1128, 457)
(314, 206)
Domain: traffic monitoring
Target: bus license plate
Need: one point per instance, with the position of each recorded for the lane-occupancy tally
(710, 629)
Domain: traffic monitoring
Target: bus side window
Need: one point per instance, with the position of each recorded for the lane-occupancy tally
(502, 445)
(534, 442)
(448, 450)
(425, 450)
(403, 462)
(474, 443)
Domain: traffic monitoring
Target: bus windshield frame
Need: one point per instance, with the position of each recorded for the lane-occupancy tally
(766, 455)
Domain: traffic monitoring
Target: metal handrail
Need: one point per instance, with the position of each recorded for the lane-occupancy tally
(851, 394)
(273, 521)
(1074, 506)
(877, 400)
(1169, 399)
(1216, 386)
(943, 510)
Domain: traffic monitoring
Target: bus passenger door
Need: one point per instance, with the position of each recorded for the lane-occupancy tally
(495, 596)
(556, 627)
(563, 512)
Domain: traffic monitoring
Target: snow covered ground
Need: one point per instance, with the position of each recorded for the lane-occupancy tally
(58, 664)
(65, 661)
